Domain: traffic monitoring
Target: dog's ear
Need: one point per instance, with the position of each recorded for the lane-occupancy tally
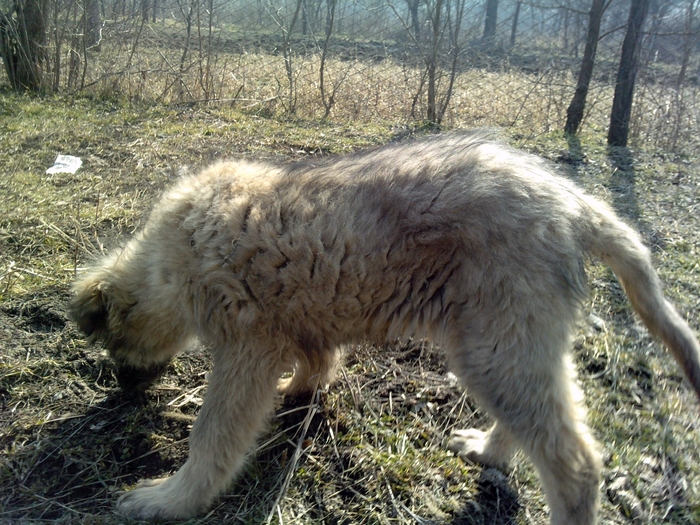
(89, 308)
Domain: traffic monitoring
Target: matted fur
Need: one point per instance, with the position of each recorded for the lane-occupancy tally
(455, 238)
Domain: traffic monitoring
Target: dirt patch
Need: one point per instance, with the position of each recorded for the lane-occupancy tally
(37, 318)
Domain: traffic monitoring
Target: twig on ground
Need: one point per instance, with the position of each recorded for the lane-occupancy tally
(291, 468)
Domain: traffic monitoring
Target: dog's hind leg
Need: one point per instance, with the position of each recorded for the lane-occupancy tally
(536, 402)
(562, 449)
(239, 398)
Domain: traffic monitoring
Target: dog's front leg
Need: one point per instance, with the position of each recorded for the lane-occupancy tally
(239, 397)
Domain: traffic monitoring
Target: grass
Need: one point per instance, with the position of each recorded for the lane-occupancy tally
(371, 449)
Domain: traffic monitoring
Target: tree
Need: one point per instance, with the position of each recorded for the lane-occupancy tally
(444, 23)
(286, 24)
(490, 23)
(574, 113)
(514, 26)
(23, 43)
(415, 20)
(626, 75)
(328, 96)
(690, 40)
(93, 25)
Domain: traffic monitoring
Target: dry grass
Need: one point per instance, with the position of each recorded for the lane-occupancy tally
(374, 82)
(370, 450)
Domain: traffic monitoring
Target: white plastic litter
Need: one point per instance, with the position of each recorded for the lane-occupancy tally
(65, 164)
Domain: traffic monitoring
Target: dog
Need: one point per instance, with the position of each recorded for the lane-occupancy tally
(456, 239)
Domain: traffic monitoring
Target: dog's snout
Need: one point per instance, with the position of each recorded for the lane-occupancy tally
(133, 378)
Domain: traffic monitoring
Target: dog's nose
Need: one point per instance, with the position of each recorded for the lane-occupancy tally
(133, 378)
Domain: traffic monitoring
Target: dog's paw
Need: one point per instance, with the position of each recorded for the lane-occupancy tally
(469, 445)
(155, 499)
(477, 446)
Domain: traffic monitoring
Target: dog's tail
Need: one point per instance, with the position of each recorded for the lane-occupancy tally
(620, 247)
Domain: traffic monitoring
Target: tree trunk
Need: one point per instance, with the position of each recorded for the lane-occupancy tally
(327, 99)
(289, 58)
(514, 27)
(432, 61)
(574, 113)
(455, 26)
(93, 24)
(491, 21)
(690, 39)
(658, 11)
(415, 21)
(304, 19)
(626, 75)
(23, 44)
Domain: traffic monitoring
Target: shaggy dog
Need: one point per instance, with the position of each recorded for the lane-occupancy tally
(456, 239)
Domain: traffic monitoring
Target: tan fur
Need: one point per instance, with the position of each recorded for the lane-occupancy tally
(457, 239)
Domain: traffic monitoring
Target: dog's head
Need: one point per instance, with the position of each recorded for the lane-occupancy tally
(108, 314)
